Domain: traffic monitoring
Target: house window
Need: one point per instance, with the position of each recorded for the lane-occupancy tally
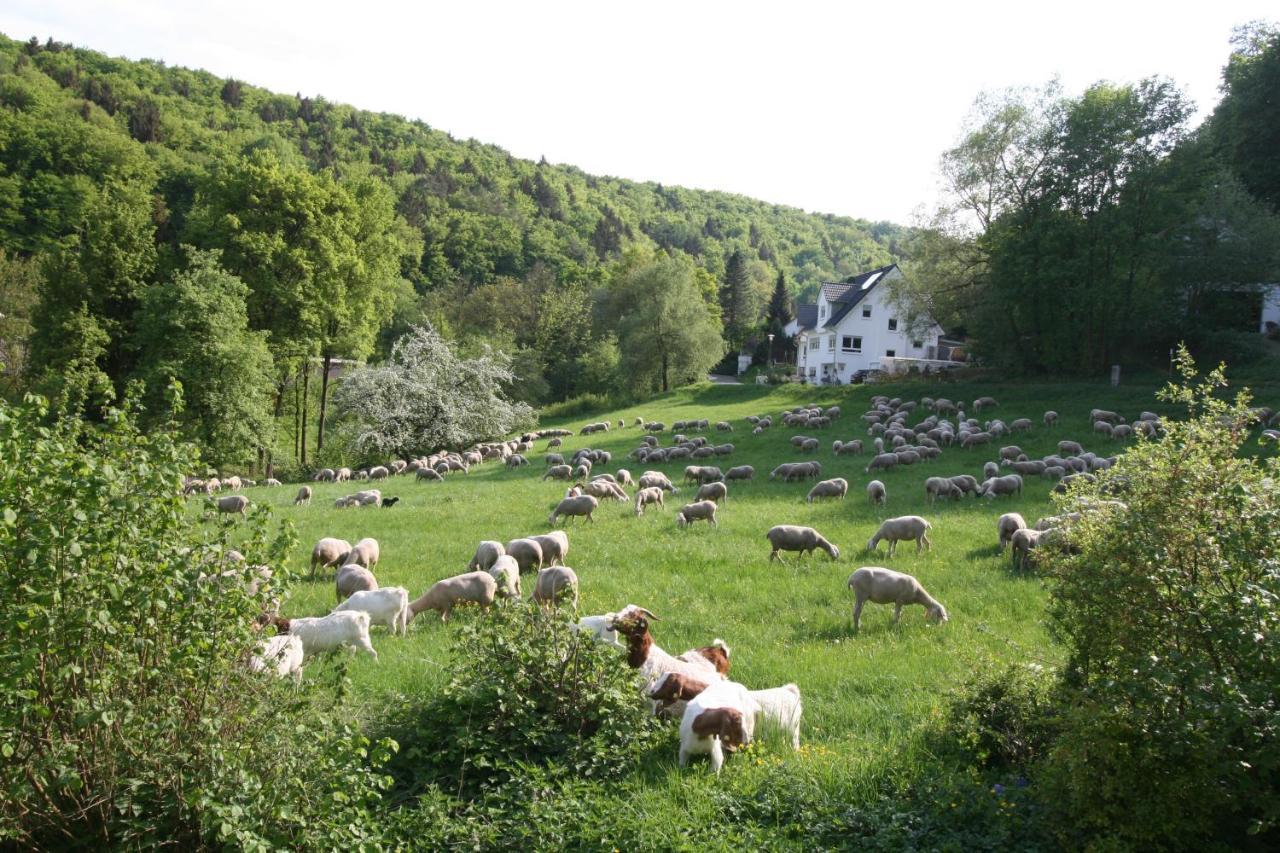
(893, 324)
(866, 313)
(822, 312)
(917, 344)
(813, 371)
(813, 344)
(851, 343)
(890, 353)
(831, 343)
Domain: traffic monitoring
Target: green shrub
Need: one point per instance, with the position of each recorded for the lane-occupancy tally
(526, 695)
(128, 717)
(1169, 613)
(1005, 720)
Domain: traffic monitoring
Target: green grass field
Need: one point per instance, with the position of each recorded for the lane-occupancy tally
(867, 696)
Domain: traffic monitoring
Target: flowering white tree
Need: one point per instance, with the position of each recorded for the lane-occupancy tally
(425, 397)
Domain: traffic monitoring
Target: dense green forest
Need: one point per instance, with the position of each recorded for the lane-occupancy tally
(329, 231)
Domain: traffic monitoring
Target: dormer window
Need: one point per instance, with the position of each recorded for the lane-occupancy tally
(866, 313)
(822, 312)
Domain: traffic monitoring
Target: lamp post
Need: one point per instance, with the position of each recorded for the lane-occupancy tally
(771, 350)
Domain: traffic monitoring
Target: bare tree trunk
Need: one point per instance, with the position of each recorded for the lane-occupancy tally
(324, 400)
(297, 414)
(664, 371)
(306, 401)
(269, 470)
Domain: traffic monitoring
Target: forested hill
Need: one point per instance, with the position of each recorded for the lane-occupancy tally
(73, 116)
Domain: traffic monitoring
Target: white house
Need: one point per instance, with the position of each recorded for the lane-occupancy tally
(856, 326)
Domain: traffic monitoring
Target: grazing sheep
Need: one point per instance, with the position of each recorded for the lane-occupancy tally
(720, 718)
(1009, 484)
(941, 487)
(876, 492)
(656, 479)
(552, 583)
(741, 472)
(555, 547)
(506, 571)
(712, 492)
(1051, 418)
(791, 537)
(724, 426)
(325, 475)
(487, 553)
(624, 477)
(966, 484)
(364, 553)
(1071, 448)
(559, 472)
(989, 470)
(644, 497)
(1022, 543)
(515, 460)
(1020, 425)
(837, 487)
(575, 507)
(984, 403)
(387, 606)
(329, 633)
(699, 511)
(1007, 525)
(526, 552)
(600, 628)
(303, 496)
(470, 588)
(353, 578)
(843, 447)
(780, 707)
(885, 586)
(379, 472)
(233, 504)
(282, 654)
(902, 528)
(882, 461)
(1010, 453)
(328, 552)
(1103, 427)
(426, 473)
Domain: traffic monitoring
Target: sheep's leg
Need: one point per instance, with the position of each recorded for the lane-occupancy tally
(927, 543)
(857, 612)
(897, 612)
(773, 555)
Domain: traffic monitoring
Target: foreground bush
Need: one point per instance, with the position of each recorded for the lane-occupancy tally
(528, 699)
(128, 717)
(1169, 612)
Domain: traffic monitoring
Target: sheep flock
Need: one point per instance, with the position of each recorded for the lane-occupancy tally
(975, 459)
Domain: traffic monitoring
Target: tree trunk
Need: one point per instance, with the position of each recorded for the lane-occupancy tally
(297, 414)
(306, 404)
(269, 470)
(324, 401)
(664, 372)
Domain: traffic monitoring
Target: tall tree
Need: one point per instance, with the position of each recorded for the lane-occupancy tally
(1247, 120)
(194, 328)
(733, 298)
(779, 313)
(666, 333)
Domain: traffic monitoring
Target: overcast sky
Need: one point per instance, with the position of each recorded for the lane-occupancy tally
(826, 106)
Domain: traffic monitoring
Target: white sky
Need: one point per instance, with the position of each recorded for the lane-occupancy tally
(825, 106)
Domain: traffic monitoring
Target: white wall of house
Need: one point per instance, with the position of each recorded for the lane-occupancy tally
(1270, 306)
(871, 331)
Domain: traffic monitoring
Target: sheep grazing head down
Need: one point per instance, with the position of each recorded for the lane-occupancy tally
(724, 723)
(937, 613)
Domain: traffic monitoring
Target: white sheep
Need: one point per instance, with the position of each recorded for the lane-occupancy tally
(329, 633)
(233, 504)
(885, 586)
(644, 497)
(719, 718)
(712, 492)
(506, 571)
(353, 578)
(328, 552)
(780, 707)
(1009, 484)
(487, 552)
(526, 552)
(837, 487)
(1007, 525)
(551, 585)
(470, 588)
(791, 537)
(941, 487)
(740, 472)
(575, 507)
(282, 654)
(387, 606)
(1022, 543)
(303, 496)
(364, 553)
(876, 492)
(902, 528)
(698, 511)
(555, 547)
(656, 479)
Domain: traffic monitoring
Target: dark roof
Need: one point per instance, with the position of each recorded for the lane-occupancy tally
(806, 314)
(858, 287)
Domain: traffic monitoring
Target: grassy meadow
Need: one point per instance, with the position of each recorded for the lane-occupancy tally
(868, 696)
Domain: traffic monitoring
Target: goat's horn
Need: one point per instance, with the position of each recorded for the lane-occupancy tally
(649, 614)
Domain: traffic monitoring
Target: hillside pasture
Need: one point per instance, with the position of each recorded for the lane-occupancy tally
(867, 696)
